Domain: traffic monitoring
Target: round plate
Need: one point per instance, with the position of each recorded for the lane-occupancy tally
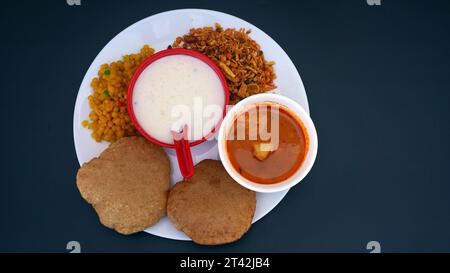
(159, 31)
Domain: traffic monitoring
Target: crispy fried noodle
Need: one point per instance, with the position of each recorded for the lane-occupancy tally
(239, 57)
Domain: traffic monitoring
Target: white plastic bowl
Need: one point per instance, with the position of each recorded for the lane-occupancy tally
(295, 109)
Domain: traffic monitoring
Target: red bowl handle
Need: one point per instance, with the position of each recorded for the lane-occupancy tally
(183, 151)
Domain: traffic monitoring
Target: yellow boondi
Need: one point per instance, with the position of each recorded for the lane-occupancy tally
(109, 119)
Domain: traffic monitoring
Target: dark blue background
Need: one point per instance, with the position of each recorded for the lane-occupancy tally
(378, 83)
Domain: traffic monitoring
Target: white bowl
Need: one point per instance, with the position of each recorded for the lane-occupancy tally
(295, 109)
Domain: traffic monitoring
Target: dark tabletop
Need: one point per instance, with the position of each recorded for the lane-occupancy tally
(378, 84)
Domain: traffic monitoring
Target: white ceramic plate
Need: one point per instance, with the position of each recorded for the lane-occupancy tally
(159, 31)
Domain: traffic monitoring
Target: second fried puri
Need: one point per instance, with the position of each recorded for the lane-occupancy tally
(211, 208)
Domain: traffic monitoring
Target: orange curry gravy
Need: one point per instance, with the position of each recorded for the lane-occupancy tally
(277, 163)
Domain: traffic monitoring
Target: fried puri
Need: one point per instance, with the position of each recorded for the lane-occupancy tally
(127, 184)
(211, 208)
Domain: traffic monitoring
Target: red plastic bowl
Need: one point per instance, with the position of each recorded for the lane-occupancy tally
(185, 155)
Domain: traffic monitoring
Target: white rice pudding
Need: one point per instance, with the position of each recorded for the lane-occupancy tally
(177, 90)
